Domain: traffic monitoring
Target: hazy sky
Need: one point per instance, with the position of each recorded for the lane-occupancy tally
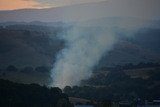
(19, 4)
(147, 9)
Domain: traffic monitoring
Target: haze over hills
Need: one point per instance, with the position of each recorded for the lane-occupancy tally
(32, 46)
(142, 47)
(20, 42)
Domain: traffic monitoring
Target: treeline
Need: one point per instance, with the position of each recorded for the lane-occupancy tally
(139, 65)
(27, 69)
(117, 86)
(130, 66)
(31, 95)
(31, 27)
(27, 74)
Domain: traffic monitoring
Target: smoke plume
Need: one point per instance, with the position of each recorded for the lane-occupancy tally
(85, 45)
(84, 48)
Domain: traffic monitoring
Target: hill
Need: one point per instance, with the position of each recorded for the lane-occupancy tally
(30, 46)
(142, 47)
(33, 45)
(120, 83)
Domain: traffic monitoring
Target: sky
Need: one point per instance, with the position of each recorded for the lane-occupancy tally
(20, 4)
(145, 9)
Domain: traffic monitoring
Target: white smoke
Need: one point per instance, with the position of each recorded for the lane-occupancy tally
(85, 45)
(89, 40)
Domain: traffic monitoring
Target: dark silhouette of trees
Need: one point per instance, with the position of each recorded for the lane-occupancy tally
(67, 90)
(105, 103)
(117, 85)
(31, 95)
(11, 68)
(42, 69)
(27, 69)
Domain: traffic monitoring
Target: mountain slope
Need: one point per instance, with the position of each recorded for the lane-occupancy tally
(23, 45)
(142, 47)
(33, 46)
(28, 48)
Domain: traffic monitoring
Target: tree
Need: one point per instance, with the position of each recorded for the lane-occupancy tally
(30, 95)
(12, 68)
(42, 69)
(27, 69)
(106, 103)
(67, 90)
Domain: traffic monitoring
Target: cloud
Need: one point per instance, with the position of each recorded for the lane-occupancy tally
(19, 4)
(57, 3)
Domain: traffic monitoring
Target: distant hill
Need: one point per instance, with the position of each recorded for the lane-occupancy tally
(34, 45)
(28, 46)
(142, 47)
(25, 45)
(38, 23)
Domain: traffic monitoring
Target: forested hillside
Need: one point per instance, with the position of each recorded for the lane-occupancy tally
(129, 82)
(31, 95)
(27, 48)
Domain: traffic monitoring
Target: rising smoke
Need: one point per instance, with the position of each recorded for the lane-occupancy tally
(85, 45)
(84, 48)
(87, 41)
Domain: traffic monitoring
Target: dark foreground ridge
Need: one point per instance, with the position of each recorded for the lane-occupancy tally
(31, 95)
